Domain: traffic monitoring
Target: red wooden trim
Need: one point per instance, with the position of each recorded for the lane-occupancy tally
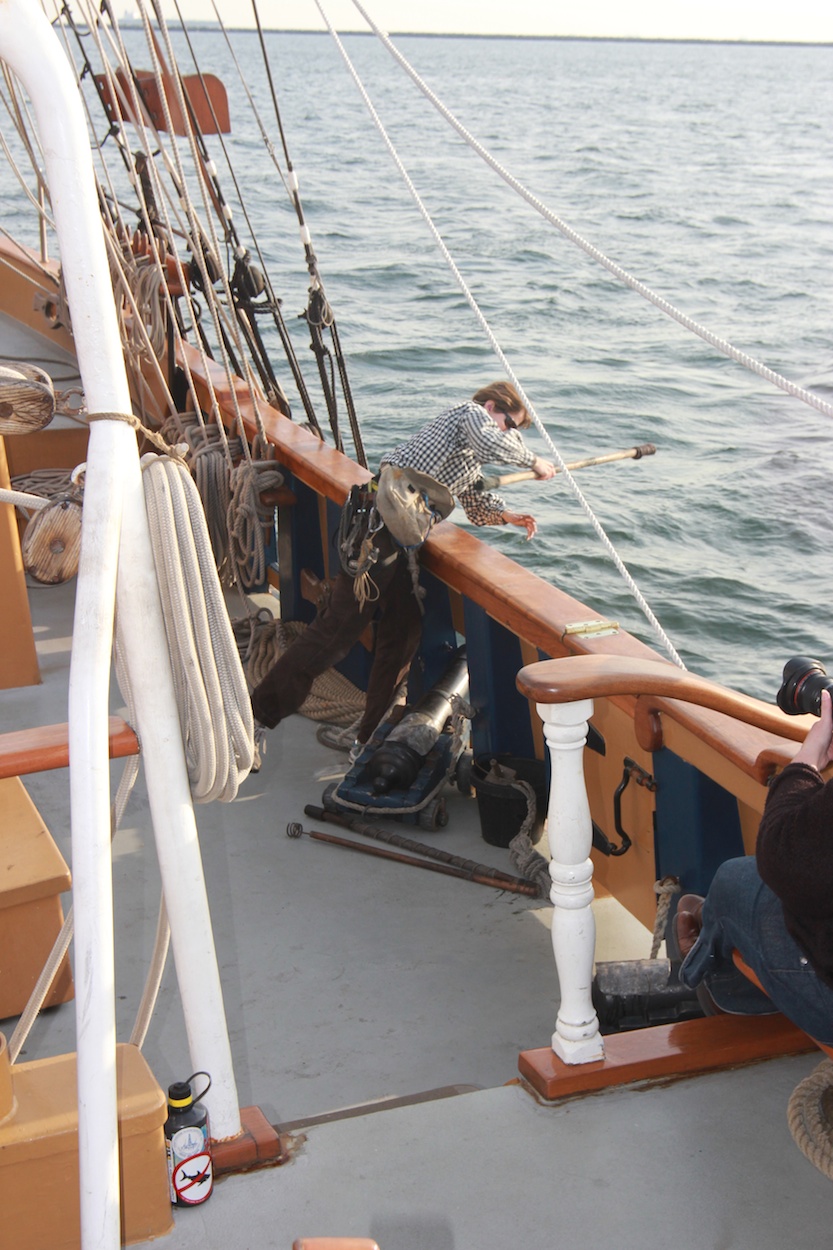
(703, 1045)
(39, 750)
(752, 976)
(259, 1145)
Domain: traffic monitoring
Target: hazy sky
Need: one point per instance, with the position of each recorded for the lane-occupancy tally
(776, 20)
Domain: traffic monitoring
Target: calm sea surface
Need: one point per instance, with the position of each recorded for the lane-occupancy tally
(704, 170)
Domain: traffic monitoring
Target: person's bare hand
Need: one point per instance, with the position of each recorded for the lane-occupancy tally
(524, 521)
(817, 748)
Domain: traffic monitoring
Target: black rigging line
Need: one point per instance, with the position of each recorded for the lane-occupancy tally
(319, 314)
(243, 317)
(247, 282)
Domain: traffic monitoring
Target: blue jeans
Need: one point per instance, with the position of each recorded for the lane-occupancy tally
(741, 913)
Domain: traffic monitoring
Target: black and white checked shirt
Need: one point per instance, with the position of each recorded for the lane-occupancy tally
(453, 449)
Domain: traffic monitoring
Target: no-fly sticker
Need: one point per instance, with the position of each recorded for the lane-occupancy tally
(192, 1179)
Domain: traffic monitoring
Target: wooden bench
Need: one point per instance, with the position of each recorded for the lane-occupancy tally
(33, 875)
(33, 872)
(39, 750)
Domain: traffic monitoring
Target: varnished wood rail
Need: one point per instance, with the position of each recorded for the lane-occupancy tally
(600, 676)
(660, 688)
(38, 750)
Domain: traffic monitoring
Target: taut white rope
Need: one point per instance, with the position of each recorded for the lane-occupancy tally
(722, 345)
(594, 521)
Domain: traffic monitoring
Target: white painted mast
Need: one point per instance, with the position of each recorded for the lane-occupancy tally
(111, 555)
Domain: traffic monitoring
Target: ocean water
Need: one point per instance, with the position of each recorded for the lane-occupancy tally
(704, 170)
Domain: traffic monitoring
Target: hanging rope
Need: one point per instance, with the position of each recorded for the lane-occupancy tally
(665, 889)
(720, 344)
(215, 711)
(596, 524)
(525, 859)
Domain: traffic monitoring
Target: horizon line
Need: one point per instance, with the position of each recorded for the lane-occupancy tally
(213, 24)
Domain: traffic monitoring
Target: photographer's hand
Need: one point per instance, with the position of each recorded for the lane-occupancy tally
(817, 748)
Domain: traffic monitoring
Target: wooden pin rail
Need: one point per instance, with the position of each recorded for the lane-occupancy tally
(38, 750)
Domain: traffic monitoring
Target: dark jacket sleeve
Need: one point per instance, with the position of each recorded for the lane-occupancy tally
(795, 842)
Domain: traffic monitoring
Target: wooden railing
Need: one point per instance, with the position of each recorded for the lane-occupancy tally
(563, 691)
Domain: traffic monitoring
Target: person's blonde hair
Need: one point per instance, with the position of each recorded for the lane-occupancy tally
(506, 399)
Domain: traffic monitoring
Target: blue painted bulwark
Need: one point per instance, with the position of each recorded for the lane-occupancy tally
(301, 545)
(697, 823)
(501, 724)
(439, 638)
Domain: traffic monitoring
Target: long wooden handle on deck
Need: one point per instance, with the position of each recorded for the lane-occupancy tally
(522, 887)
(470, 866)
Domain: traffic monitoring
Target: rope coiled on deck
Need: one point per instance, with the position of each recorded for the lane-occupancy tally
(810, 1117)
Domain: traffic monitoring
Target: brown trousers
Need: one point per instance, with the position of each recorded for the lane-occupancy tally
(336, 629)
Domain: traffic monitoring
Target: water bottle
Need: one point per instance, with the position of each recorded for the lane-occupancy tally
(188, 1145)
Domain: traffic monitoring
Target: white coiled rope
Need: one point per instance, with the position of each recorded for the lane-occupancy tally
(215, 711)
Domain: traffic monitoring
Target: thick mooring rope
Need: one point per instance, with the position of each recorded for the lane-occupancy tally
(665, 889)
(810, 1117)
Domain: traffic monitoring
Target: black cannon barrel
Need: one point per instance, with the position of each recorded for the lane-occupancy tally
(396, 763)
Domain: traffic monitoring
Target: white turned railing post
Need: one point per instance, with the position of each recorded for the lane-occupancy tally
(576, 1038)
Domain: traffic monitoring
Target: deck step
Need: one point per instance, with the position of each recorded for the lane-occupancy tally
(39, 750)
(664, 1051)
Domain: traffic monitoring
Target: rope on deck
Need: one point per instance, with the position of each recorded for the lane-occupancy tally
(810, 1117)
(332, 698)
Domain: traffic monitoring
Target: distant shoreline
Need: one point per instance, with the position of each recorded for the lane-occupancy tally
(423, 34)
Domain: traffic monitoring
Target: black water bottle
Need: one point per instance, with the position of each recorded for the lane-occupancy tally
(188, 1145)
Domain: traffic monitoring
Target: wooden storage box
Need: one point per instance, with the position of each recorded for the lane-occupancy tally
(33, 875)
(39, 1203)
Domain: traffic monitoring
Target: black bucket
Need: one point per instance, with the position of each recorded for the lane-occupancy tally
(502, 808)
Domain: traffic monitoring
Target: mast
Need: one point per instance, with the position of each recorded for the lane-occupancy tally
(115, 568)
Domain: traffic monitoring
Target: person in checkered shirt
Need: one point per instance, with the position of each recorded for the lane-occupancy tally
(454, 447)
(452, 450)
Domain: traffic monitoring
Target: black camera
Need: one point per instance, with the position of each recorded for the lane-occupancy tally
(803, 681)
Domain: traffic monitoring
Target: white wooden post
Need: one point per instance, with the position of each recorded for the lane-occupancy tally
(30, 46)
(576, 1038)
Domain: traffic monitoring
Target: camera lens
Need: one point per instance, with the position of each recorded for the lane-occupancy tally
(802, 685)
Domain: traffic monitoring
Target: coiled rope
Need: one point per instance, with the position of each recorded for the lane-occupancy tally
(263, 641)
(720, 344)
(810, 1117)
(659, 632)
(215, 711)
(222, 499)
(526, 861)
